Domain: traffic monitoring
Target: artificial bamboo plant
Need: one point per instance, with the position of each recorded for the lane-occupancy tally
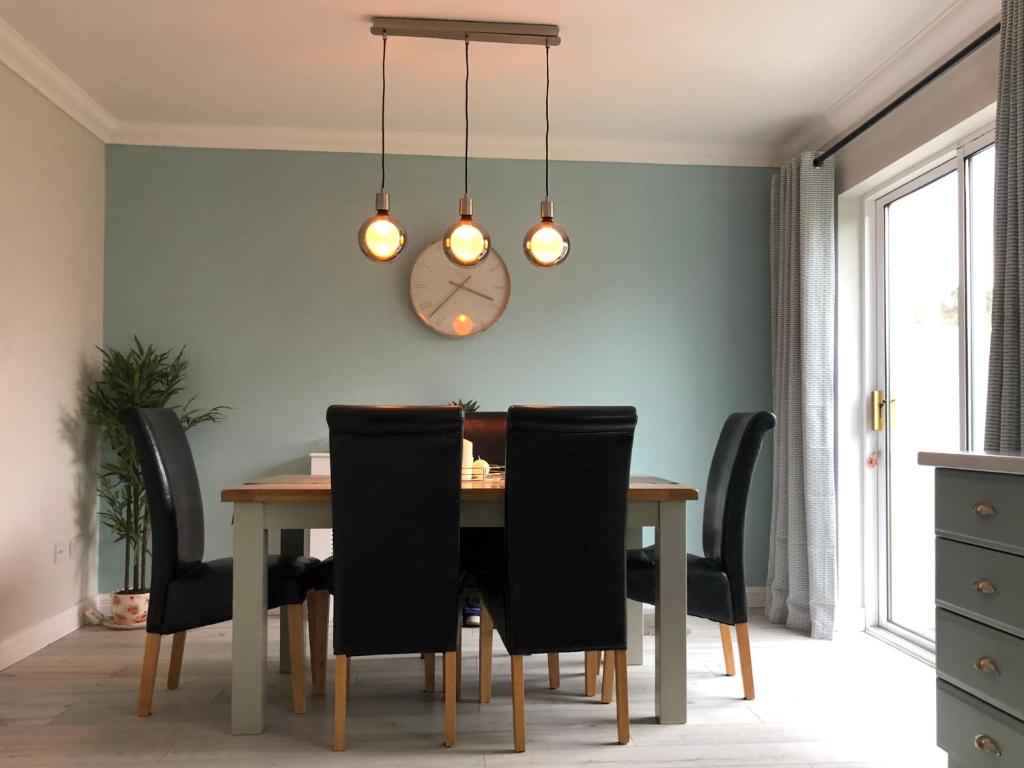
(146, 378)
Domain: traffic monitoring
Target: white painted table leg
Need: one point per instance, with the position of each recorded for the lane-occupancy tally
(249, 623)
(670, 614)
(634, 610)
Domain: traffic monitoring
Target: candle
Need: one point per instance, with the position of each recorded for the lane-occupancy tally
(481, 469)
(467, 459)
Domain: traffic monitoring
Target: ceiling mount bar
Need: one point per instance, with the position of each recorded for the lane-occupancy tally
(475, 31)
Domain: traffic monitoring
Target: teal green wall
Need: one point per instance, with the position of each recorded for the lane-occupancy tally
(250, 259)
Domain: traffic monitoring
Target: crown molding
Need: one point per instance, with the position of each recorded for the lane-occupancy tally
(42, 74)
(443, 145)
(906, 66)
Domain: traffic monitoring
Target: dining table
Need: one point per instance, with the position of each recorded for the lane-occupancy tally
(282, 509)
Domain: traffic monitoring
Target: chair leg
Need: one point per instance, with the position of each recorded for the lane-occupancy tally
(147, 682)
(621, 695)
(590, 665)
(298, 658)
(340, 701)
(518, 705)
(608, 678)
(177, 651)
(450, 666)
(322, 606)
(554, 672)
(746, 667)
(486, 653)
(311, 630)
(428, 672)
(730, 663)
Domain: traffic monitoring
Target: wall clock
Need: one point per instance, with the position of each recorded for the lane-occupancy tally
(458, 301)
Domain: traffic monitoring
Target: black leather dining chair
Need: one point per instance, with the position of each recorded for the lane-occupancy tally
(187, 592)
(715, 585)
(395, 491)
(562, 587)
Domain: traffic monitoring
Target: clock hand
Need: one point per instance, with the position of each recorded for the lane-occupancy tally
(458, 287)
(463, 287)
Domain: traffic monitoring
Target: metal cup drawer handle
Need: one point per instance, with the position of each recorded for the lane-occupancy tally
(987, 744)
(984, 509)
(985, 664)
(985, 587)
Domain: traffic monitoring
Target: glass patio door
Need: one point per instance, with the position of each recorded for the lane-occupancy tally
(934, 239)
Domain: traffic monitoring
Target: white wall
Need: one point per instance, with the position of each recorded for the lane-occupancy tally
(52, 190)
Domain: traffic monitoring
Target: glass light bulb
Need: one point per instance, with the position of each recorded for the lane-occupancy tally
(381, 237)
(546, 244)
(466, 244)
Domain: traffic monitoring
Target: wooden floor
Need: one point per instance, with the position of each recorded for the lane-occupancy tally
(855, 703)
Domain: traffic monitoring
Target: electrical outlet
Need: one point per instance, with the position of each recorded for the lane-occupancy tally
(60, 551)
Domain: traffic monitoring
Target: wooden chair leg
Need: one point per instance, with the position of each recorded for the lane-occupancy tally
(518, 705)
(177, 652)
(450, 667)
(428, 672)
(298, 658)
(323, 616)
(590, 664)
(147, 682)
(340, 701)
(746, 667)
(554, 672)
(608, 678)
(311, 630)
(486, 653)
(621, 695)
(730, 663)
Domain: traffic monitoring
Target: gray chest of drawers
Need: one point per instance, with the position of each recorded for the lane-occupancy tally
(979, 595)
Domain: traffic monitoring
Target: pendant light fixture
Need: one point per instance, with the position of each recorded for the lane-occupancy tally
(382, 237)
(465, 242)
(546, 243)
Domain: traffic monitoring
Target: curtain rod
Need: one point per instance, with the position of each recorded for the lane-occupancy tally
(926, 81)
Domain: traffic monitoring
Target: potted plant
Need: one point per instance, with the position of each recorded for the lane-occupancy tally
(146, 378)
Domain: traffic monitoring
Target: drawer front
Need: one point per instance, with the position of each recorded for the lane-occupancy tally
(986, 585)
(982, 507)
(981, 660)
(976, 735)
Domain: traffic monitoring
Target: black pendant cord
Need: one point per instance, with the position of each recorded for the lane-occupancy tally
(383, 100)
(547, 118)
(465, 155)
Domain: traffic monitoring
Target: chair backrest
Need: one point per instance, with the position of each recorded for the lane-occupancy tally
(486, 430)
(725, 499)
(395, 490)
(173, 495)
(565, 527)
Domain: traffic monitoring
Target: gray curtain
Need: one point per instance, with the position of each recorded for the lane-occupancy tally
(802, 553)
(1003, 428)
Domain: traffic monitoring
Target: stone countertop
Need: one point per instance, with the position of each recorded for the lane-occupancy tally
(978, 461)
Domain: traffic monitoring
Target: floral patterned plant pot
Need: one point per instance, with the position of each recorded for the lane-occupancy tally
(129, 610)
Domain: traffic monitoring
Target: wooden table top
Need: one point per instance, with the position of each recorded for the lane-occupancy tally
(283, 489)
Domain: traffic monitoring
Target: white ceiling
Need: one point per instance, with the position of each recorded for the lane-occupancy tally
(631, 80)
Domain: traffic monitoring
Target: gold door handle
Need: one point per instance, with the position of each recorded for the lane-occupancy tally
(985, 587)
(877, 412)
(985, 664)
(987, 744)
(982, 509)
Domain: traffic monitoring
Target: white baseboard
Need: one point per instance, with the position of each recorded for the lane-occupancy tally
(757, 597)
(32, 639)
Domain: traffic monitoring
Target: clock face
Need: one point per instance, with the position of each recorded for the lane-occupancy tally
(458, 301)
